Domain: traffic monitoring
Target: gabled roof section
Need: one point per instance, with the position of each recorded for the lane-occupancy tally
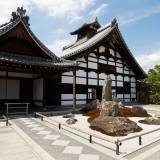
(20, 17)
(103, 33)
(92, 25)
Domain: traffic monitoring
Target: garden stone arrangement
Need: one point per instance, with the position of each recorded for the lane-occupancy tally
(111, 120)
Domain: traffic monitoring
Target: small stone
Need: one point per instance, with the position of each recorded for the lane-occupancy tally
(71, 121)
(69, 115)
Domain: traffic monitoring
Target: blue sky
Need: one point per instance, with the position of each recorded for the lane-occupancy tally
(52, 21)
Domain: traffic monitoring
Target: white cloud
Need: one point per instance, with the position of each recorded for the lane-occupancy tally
(70, 9)
(148, 61)
(132, 17)
(8, 6)
(63, 8)
(99, 10)
(57, 45)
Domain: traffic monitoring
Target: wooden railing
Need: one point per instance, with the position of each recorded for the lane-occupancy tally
(117, 143)
(90, 135)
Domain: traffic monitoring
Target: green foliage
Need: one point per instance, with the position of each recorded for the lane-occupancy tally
(152, 84)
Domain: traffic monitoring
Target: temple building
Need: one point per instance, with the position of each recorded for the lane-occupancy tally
(30, 72)
(100, 51)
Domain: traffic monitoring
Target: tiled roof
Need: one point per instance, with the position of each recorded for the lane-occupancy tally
(102, 33)
(12, 24)
(30, 60)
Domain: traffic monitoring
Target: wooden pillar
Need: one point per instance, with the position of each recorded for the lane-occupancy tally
(6, 82)
(74, 89)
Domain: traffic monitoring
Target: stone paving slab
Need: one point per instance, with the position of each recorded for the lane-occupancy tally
(13, 147)
(57, 144)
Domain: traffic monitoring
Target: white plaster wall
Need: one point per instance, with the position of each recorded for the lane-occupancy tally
(102, 76)
(126, 71)
(119, 70)
(66, 102)
(38, 89)
(133, 79)
(133, 95)
(83, 65)
(81, 73)
(92, 65)
(113, 83)
(92, 81)
(112, 52)
(133, 89)
(13, 87)
(92, 54)
(68, 73)
(81, 96)
(119, 95)
(126, 78)
(92, 75)
(81, 80)
(66, 79)
(133, 84)
(92, 59)
(101, 82)
(66, 96)
(127, 100)
(118, 55)
(126, 95)
(81, 59)
(102, 57)
(119, 84)
(119, 78)
(102, 61)
(81, 102)
(101, 49)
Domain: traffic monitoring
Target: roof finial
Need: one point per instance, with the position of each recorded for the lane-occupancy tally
(20, 14)
(114, 22)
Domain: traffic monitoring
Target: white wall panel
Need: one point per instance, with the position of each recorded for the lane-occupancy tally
(119, 78)
(112, 76)
(81, 102)
(92, 65)
(133, 84)
(102, 57)
(68, 73)
(101, 82)
(81, 96)
(126, 95)
(113, 83)
(92, 75)
(92, 81)
(126, 72)
(126, 78)
(119, 70)
(66, 96)
(66, 79)
(118, 55)
(127, 100)
(66, 102)
(81, 73)
(92, 59)
(133, 89)
(133, 79)
(112, 52)
(102, 76)
(119, 95)
(119, 84)
(81, 80)
(133, 95)
(38, 89)
(102, 61)
(92, 54)
(81, 59)
(101, 49)
(83, 65)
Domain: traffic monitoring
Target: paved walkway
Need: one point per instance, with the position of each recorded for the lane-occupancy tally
(57, 144)
(13, 147)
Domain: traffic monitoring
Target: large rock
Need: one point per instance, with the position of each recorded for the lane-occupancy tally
(110, 108)
(134, 111)
(151, 121)
(114, 126)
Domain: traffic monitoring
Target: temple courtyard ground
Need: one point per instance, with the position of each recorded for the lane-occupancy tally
(31, 138)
